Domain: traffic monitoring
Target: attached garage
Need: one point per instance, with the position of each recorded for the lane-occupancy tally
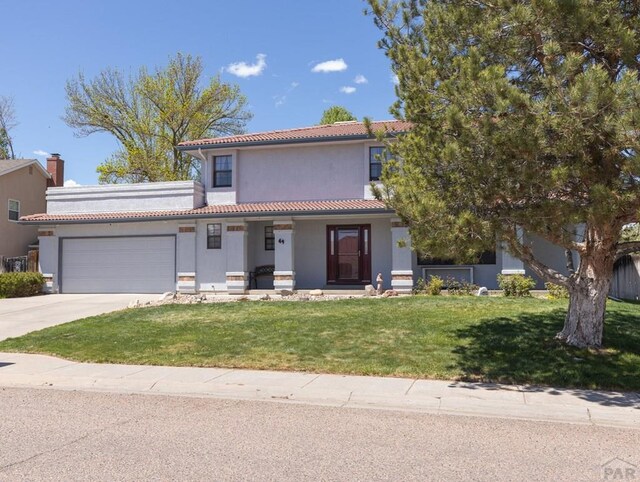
(133, 264)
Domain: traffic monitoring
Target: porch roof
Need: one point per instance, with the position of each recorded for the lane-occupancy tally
(278, 208)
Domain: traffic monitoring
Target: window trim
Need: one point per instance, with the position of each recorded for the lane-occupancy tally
(214, 237)
(269, 239)
(215, 171)
(9, 210)
(374, 160)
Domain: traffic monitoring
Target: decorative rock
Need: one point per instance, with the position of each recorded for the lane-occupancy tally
(483, 291)
(303, 298)
(389, 293)
(265, 297)
(169, 295)
(286, 293)
(316, 293)
(370, 290)
(243, 298)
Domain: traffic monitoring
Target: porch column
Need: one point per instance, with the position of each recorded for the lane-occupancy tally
(401, 257)
(236, 248)
(48, 258)
(284, 275)
(186, 258)
(511, 264)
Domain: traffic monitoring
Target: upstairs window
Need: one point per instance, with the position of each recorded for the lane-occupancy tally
(222, 172)
(214, 236)
(14, 210)
(377, 155)
(269, 239)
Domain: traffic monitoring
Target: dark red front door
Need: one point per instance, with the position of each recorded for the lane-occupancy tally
(349, 254)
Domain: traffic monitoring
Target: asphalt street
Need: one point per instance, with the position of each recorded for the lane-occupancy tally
(65, 435)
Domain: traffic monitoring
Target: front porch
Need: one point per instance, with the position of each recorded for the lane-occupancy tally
(341, 254)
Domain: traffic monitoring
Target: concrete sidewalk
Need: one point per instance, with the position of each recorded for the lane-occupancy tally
(429, 396)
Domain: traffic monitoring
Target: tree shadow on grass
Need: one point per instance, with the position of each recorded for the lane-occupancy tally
(522, 350)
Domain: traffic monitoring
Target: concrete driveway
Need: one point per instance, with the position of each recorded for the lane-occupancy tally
(23, 315)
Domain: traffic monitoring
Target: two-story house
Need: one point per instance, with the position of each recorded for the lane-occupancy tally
(298, 200)
(23, 183)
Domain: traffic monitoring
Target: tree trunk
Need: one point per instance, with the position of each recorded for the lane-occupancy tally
(588, 293)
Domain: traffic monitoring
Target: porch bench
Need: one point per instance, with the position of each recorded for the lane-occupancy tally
(260, 271)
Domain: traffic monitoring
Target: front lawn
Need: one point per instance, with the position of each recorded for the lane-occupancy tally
(486, 339)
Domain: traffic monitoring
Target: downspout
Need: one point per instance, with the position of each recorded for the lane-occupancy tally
(203, 158)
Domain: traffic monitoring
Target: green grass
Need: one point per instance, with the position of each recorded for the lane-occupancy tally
(482, 339)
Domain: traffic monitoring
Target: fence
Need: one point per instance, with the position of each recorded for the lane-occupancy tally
(19, 263)
(626, 278)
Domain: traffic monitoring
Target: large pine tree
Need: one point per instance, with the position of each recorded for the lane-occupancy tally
(527, 114)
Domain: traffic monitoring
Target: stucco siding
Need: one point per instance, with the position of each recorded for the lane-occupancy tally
(311, 250)
(153, 196)
(116, 229)
(29, 189)
(483, 274)
(211, 264)
(257, 255)
(300, 173)
(547, 253)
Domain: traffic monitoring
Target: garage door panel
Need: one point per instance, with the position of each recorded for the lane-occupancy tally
(118, 265)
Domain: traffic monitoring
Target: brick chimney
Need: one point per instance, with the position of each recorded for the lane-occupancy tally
(55, 166)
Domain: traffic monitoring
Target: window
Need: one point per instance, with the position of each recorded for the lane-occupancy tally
(269, 239)
(214, 236)
(376, 157)
(487, 257)
(14, 210)
(222, 171)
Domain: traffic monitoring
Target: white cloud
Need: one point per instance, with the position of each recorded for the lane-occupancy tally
(244, 70)
(394, 79)
(337, 65)
(40, 152)
(360, 79)
(294, 84)
(347, 89)
(71, 183)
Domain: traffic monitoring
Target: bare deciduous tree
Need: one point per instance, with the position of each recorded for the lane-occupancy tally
(7, 122)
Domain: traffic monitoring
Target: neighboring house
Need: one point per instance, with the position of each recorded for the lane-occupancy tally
(23, 183)
(625, 283)
(298, 200)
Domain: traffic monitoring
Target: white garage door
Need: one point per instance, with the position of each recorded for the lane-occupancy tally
(118, 265)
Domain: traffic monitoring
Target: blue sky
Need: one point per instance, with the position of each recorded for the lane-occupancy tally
(46, 43)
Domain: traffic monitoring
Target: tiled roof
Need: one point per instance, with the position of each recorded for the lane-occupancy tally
(314, 133)
(230, 210)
